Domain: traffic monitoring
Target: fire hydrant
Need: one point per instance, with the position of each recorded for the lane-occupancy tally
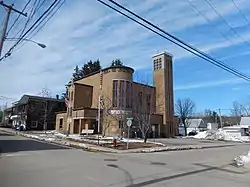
(115, 142)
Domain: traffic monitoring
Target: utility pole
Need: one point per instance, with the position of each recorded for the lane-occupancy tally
(45, 117)
(99, 106)
(8, 8)
(220, 119)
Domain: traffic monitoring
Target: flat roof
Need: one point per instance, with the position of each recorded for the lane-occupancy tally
(161, 53)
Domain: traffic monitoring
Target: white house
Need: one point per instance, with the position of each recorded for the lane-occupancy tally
(193, 125)
(245, 125)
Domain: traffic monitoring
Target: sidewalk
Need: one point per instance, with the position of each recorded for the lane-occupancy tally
(96, 148)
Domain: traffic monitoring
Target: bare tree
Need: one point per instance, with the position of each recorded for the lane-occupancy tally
(109, 115)
(240, 109)
(184, 109)
(45, 92)
(106, 106)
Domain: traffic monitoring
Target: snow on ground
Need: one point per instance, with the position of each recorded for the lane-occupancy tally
(243, 160)
(131, 140)
(220, 135)
(91, 139)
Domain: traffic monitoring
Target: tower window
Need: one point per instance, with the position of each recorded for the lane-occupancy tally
(157, 64)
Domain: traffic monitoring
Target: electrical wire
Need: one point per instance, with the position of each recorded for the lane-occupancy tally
(23, 36)
(56, 9)
(33, 11)
(209, 21)
(241, 12)
(15, 21)
(186, 46)
(225, 21)
(42, 26)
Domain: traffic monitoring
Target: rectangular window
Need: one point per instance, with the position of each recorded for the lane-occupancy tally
(115, 93)
(72, 96)
(61, 123)
(122, 94)
(140, 98)
(70, 112)
(148, 102)
(120, 124)
(139, 102)
(131, 95)
(128, 94)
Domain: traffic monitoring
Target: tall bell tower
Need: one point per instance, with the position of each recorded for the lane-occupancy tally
(163, 82)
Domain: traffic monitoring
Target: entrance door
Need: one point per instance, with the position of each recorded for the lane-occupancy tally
(76, 126)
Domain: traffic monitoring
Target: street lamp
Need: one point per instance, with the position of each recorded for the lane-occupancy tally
(39, 44)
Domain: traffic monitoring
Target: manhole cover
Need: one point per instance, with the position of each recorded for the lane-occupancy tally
(110, 159)
(112, 165)
(158, 163)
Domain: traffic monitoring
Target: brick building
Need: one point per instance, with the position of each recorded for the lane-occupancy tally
(121, 97)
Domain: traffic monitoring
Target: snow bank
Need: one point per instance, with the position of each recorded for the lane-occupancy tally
(217, 135)
(243, 160)
(131, 140)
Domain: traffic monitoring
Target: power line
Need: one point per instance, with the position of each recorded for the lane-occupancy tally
(41, 27)
(48, 18)
(208, 20)
(33, 11)
(225, 21)
(20, 39)
(241, 12)
(17, 17)
(176, 41)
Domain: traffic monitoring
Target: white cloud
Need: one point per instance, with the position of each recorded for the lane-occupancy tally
(207, 84)
(84, 30)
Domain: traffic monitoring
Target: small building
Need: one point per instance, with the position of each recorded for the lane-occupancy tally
(121, 98)
(36, 113)
(196, 125)
(245, 125)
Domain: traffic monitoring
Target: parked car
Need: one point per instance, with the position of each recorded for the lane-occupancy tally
(192, 133)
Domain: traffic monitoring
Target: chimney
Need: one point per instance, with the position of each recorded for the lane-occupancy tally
(57, 96)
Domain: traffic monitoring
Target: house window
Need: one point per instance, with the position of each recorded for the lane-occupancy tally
(115, 93)
(34, 124)
(61, 123)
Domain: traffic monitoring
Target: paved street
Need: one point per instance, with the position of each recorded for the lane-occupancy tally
(27, 162)
(190, 141)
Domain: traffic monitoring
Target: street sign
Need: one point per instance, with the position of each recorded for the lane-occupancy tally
(129, 122)
(153, 128)
(131, 118)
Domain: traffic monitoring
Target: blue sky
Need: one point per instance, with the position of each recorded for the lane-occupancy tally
(85, 29)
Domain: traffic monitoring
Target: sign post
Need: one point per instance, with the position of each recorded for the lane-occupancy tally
(129, 123)
(153, 129)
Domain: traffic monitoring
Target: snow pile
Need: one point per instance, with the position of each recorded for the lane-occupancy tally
(131, 140)
(201, 135)
(217, 135)
(243, 160)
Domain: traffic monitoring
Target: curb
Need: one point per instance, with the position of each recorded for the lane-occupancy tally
(96, 149)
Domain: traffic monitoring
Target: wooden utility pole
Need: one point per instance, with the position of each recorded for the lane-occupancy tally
(8, 8)
(45, 117)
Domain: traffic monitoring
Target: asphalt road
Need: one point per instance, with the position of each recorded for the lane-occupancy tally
(36, 164)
